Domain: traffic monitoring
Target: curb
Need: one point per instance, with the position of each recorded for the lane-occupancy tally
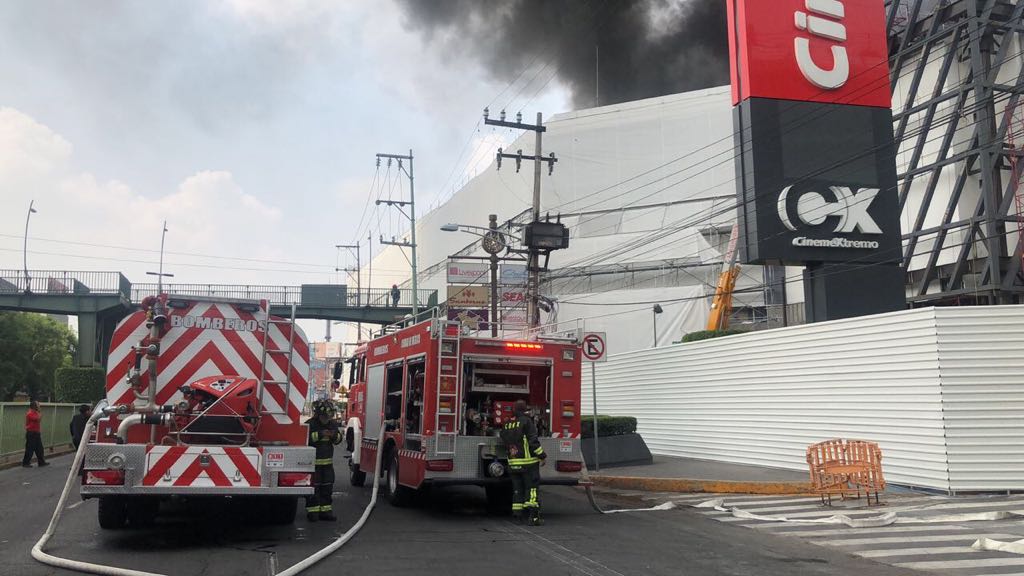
(693, 485)
(16, 462)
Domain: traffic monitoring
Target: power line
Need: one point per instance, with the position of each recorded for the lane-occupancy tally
(146, 250)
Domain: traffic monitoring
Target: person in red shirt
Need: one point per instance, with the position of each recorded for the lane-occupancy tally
(33, 437)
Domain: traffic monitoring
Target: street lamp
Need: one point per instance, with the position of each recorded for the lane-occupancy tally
(493, 242)
(657, 310)
(24, 250)
(160, 274)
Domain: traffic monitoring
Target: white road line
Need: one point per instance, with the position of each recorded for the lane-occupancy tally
(782, 501)
(968, 537)
(818, 507)
(860, 512)
(789, 530)
(953, 564)
(888, 553)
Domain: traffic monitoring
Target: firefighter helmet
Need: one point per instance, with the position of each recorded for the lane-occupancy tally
(325, 407)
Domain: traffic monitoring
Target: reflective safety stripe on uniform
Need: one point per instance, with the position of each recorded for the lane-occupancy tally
(531, 502)
(323, 461)
(313, 508)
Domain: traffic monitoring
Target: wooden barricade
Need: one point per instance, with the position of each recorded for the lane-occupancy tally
(840, 466)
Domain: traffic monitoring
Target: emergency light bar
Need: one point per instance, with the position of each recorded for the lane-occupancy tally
(523, 346)
(511, 345)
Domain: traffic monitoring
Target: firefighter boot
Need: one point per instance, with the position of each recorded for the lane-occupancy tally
(312, 516)
(328, 516)
(535, 519)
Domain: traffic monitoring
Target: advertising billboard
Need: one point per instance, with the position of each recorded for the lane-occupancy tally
(468, 272)
(468, 296)
(816, 175)
(512, 274)
(809, 50)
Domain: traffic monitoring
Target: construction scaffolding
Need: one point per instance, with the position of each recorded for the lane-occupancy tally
(957, 79)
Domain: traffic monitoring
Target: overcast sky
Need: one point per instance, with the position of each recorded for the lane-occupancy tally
(249, 125)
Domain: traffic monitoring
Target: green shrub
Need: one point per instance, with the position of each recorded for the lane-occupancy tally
(80, 385)
(707, 334)
(608, 425)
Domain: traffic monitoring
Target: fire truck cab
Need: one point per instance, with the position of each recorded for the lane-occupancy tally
(433, 399)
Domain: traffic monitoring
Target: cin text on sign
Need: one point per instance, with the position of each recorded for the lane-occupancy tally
(809, 50)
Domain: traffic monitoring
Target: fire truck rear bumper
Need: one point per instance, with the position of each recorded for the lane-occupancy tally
(140, 470)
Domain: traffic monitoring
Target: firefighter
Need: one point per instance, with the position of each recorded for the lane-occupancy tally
(324, 436)
(525, 457)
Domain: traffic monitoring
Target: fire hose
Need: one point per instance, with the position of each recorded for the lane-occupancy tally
(90, 568)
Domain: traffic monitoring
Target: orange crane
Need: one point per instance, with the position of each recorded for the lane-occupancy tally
(721, 305)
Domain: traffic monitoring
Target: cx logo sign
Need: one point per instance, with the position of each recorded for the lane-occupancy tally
(813, 208)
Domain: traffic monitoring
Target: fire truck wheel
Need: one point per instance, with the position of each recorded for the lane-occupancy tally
(112, 512)
(356, 477)
(141, 512)
(398, 495)
(499, 498)
(281, 510)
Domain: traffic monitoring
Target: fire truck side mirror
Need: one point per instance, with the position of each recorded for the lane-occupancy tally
(337, 370)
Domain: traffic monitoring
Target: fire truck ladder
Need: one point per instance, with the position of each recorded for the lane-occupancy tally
(265, 378)
(446, 419)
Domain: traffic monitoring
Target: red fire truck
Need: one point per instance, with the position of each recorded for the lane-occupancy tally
(215, 411)
(433, 398)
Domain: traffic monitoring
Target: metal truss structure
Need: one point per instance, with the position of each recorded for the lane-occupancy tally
(959, 126)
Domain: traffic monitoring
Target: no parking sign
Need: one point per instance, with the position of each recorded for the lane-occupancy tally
(594, 347)
(595, 350)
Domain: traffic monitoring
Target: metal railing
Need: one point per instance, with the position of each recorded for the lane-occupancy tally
(285, 295)
(63, 282)
(54, 427)
(272, 294)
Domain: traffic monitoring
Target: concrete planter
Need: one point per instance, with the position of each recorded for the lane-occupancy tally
(622, 450)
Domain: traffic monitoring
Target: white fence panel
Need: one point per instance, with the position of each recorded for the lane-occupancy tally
(761, 398)
(981, 362)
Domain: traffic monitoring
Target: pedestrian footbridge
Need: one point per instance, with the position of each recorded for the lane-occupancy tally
(101, 299)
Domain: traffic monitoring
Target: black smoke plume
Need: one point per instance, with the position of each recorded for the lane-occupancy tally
(644, 48)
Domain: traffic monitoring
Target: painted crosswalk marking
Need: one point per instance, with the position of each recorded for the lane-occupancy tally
(939, 541)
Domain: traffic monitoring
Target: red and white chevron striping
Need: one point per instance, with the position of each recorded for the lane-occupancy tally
(220, 343)
(202, 466)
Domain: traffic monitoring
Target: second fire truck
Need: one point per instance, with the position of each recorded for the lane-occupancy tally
(433, 399)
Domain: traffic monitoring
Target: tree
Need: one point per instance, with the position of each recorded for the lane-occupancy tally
(32, 347)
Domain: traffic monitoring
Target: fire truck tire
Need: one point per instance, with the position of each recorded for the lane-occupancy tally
(399, 496)
(112, 512)
(499, 498)
(356, 477)
(280, 510)
(141, 512)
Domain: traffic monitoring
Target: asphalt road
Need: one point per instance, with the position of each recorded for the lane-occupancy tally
(450, 533)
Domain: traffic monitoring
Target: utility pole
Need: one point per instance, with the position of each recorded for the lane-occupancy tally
(533, 264)
(412, 221)
(358, 271)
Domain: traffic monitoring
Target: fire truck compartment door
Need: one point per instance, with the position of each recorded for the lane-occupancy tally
(374, 400)
(500, 359)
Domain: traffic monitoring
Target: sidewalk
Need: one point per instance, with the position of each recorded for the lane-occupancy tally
(672, 474)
